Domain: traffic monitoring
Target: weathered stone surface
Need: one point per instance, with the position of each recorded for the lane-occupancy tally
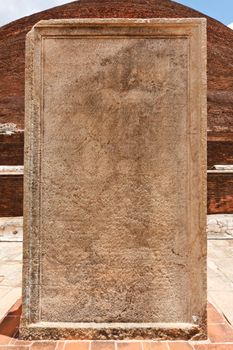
(116, 137)
(11, 229)
(220, 226)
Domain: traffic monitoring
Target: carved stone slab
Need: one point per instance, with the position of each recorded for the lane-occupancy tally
(115, 184)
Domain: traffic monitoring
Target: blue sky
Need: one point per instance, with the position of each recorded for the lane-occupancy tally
(11, 10)
(222, 10)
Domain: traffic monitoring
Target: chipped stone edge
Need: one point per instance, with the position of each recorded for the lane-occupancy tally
(11, 229)
(118, 22)
(119, 331)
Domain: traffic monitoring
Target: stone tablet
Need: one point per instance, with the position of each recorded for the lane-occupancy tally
(115, 179)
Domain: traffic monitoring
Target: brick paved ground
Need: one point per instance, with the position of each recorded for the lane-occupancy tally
(220, 337)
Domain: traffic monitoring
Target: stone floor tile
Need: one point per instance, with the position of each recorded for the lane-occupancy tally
(11, 228)
(10, 250)
(129, 345)
(10, 298)
(102, 345)
(219, 333)
(179, 346)
(224, 264)
(10, 273)
(220, 287)
(43, 345)
(4, 290)
(77, 345)
(224, 302)
(154, 345)
(3, 314)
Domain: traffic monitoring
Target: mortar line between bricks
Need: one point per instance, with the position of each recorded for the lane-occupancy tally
(220, 343)
(12, 338)
(168, 347)
(217, 323)
(78, 341)
(142, 345)
(11, 341)
(200, 342)
(90, 343)
(131, 341)
(56, 345)
(142, 348)
(192, 346)
(115, 345)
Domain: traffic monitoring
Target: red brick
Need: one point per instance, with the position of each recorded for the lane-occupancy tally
(214, 316)
(11, 199)
(16, 309)
(9, 325)
(213, 347)
(43, 345)
(60, 345)
(219, 193)
(179, 346)
(220, 333)
(76, 345)
(129, 346)
(13, 347)
(4, 339)
(155, 345)
(19, 342)
(102, 345)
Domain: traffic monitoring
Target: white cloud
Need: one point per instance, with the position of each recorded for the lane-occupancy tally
(11, 10)
(230, 25)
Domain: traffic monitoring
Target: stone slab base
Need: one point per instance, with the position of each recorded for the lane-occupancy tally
(114, 331)
(11, 229)
(220, 226)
